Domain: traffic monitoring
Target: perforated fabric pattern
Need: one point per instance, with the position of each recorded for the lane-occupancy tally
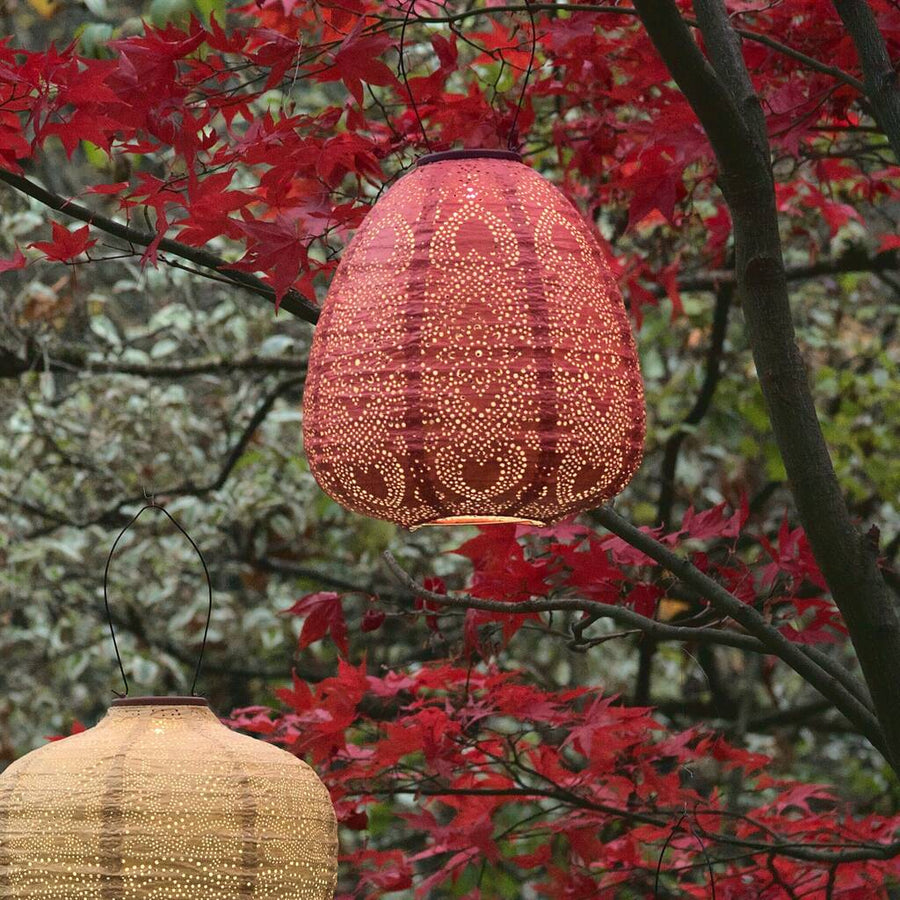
(164, 803)
(474, 360)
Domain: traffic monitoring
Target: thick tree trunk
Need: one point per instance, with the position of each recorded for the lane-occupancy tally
(847, 558)
(882, 83)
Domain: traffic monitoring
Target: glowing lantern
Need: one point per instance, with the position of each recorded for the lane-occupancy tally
(160, 800)
(474, 361)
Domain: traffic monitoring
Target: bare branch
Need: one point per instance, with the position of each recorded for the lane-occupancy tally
(835, 852)
(854, 260)
(79, 359)
(288, 568)
(701, 405)
(114, 515)
(746, 33)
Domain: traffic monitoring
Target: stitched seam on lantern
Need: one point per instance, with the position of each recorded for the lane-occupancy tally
(412, 329)
(249, 838)
(539, 323)
(638, 428)
(112, 840)
(248, 813)
(247, 817)
(314, 375)
(6, 856)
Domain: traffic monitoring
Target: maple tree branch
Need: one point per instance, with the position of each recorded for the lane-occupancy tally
(781, 846)
(726, 56)
(830, 679)
(809, 61)
(710, 99)
(796, 714)
(727, 604)
(660, 631)
(882, 85)
(72, 358)
(857, 259)
(779, 841)
(287, 568)
(292, 302)
(847, 558)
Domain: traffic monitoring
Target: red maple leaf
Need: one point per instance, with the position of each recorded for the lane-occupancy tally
(276, 249)
(356, 61)
(713, 522)
(13, 144)
(324, 614)
(590, 571)
(77, 728)
(372, 620)
(115, 188)
(66, 245)
(18, 261)
(208, 208)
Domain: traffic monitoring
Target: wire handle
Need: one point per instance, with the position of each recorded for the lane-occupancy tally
(154, 505)
(512, 141)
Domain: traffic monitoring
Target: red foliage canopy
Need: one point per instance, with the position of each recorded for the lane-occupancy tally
(277, 185)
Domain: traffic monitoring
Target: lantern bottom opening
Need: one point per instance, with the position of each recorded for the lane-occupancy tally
(481, 520)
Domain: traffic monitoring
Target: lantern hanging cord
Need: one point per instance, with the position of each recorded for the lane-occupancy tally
(512, 141)
(405, 78)
(154, 505)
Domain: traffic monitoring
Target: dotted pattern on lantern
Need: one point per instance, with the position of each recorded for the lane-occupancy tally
(165, 803)
(474, 359)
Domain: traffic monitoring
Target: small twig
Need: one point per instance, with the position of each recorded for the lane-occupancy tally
(702, 404)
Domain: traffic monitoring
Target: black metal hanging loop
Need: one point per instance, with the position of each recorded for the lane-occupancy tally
(512, 141)
(109, 619)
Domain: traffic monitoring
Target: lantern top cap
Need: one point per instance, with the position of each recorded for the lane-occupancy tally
(159, 701)
(468, 154)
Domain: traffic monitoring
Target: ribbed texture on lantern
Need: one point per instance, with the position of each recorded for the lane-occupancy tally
(164, 803)
(474, 360)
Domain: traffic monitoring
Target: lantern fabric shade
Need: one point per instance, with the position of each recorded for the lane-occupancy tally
(473, 362)
(160, 801)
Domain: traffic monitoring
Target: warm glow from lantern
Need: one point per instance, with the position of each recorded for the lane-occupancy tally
(481, 520)
(160, 800)
(474, 362)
